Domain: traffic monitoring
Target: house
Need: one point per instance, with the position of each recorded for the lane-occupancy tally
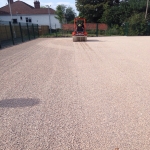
(24, 13)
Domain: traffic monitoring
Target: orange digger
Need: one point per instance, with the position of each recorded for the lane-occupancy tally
(79, 33)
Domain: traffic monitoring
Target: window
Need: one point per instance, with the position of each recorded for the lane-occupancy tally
(20, 18)
(28, 20)
(14, 20)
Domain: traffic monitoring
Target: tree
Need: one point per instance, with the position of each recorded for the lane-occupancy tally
(64, 13)
(137, 24)
(70, 14)
(60, 13)
(117, 14)
(92, 10)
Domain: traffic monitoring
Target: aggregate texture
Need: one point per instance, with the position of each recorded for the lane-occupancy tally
(56, 94)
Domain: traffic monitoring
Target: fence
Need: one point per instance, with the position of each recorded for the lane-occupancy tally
(100, 29)
(93, 29)
(11, 34)
(43, 30)
(128, 29)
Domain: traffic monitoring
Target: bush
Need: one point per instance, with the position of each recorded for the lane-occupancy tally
(102, 32)
(137, 24)
(114, 30)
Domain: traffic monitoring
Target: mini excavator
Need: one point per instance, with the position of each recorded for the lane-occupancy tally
(79, 33)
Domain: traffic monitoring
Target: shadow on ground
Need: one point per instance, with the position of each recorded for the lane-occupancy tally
(93, 41)
(19, 102)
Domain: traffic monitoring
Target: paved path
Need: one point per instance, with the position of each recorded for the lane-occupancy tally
(60, 95)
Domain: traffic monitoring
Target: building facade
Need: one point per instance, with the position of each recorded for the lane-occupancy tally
(22, 12)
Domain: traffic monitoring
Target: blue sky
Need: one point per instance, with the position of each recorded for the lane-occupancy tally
(53, 3)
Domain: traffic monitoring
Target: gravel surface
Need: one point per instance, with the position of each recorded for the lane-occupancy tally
(60, 95)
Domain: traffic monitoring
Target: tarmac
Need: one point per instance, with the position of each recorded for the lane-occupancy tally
(56, 94)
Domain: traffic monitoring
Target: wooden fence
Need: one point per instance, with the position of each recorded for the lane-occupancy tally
(43, 30)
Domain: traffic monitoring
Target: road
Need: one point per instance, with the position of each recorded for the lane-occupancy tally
(60, 95)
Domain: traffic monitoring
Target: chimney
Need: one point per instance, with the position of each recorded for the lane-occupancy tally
(36, 4)
(10, 1)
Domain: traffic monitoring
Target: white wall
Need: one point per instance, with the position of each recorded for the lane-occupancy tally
(36, 19)
(5, 18)
(44, 20)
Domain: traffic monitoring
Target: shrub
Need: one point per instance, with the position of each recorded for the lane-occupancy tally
(137, 24)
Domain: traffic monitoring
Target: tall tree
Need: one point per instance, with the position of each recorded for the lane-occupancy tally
(69, 14)
(60, 13)
(137, 24)
(117, 13)
(92, 10)
(65, 13)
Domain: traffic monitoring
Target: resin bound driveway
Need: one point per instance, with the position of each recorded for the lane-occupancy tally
(60, 95)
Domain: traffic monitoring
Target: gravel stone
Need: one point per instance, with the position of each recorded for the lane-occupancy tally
(56, 94)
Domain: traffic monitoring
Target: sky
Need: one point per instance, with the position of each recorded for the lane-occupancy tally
(53, 3)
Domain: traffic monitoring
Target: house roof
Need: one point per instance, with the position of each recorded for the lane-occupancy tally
(4, 13)
(23, 8)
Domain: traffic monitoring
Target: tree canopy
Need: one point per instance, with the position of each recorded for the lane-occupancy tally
(70, 14)
(65, 13)
(115, 12)
(60, 13)
(92, 10)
